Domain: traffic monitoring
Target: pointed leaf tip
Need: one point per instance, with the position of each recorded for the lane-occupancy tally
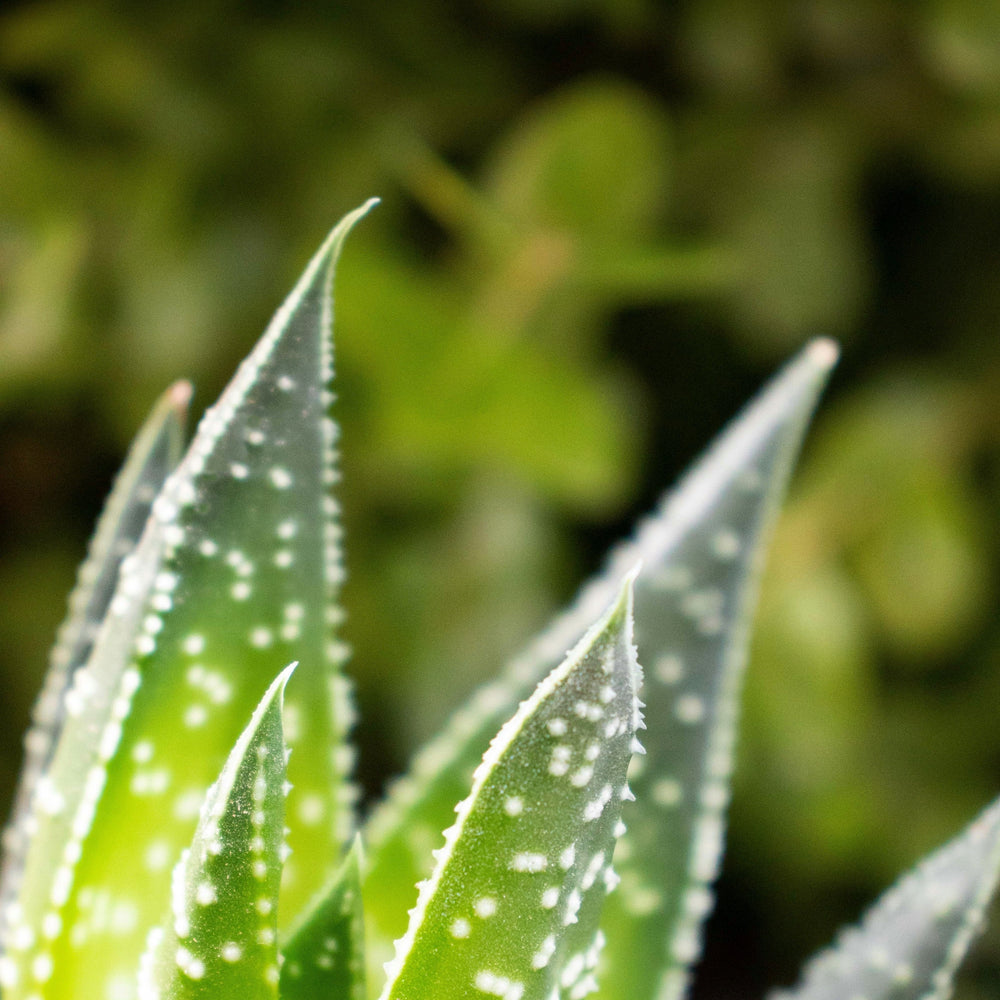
(618, 614)
(331, 245)
(512, 908)
(324, 956)
(237, 572)
(319, 267)
(281, 681)
(221, 936)
(824, 352)
(180, 394)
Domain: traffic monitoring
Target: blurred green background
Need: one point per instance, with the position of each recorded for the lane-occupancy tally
(604, 224)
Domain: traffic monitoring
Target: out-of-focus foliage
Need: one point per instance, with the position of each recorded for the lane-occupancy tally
(616, 209)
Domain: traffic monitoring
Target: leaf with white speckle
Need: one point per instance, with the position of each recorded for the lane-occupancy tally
(237, 570)
(512, 908)
(324, 956)
(154, 454)
(221, 938)
(692, 630)
(701, 552)
(911, 942)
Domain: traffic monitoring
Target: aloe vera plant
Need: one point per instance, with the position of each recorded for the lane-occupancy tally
(185, 825)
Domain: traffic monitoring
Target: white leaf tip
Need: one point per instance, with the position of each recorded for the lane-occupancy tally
(352, 217)
(823, 352)
(180, 394)
(281, 681)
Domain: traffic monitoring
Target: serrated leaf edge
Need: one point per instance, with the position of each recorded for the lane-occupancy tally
(498, 745)
(963, 937)
(654, 537)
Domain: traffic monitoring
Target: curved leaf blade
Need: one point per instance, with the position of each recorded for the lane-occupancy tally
(153, 455)
(692, 630)
(513, 905)
(173, 663)
(912, 941)
(221, 941)
(707, 535)
(325, 955)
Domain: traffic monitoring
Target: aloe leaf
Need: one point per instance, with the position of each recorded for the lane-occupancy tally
(153, 455)
(692, 629)
(221, 938)
(237, 570)
(911, 942)
(701, 553)
(324, 956)
(513, 905)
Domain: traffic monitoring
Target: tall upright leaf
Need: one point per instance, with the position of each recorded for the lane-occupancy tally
(512, 907)
(221, 939)
(701, 553)
(236, 572)
(911, 942)
(154, 454)
(692, 629)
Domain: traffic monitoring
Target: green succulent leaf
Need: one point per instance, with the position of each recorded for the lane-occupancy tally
(325, 954)
(512, 907)
(701, 553)
(154, 454)
(692, 629)
(220, 941)
(236, 571)
(911, 942)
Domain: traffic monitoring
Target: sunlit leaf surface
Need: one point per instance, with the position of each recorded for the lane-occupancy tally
(220, 941)
(156, 451)
(513, 905)
(700, 555)
(234, 576)
(913, 939)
